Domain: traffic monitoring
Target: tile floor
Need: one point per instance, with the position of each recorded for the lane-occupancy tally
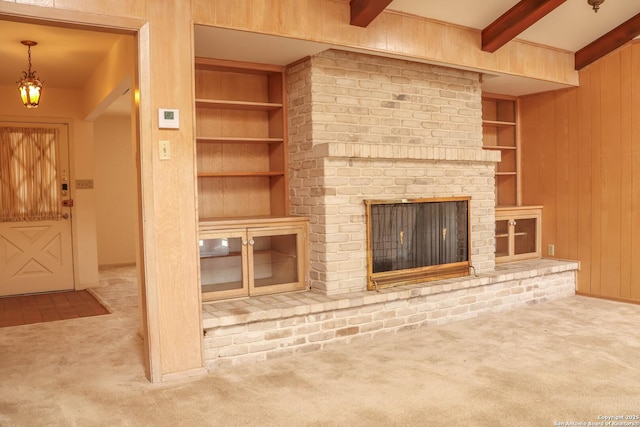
(22, 310)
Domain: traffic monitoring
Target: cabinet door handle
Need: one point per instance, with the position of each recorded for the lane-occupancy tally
(251, 242)
(244, 242)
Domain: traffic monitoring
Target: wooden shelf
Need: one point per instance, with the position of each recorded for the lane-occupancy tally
(237, 105)
(497, 123)
(238, 174)
(499, 147)
(241, 147)
(500, 132)
(231, 140)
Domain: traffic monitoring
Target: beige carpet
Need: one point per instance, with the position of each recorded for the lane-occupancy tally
(571, 360)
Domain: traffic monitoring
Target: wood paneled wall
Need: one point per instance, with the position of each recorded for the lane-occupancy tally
(580, 160)
(327, 21)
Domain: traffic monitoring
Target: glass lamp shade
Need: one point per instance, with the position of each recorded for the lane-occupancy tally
(30, 89)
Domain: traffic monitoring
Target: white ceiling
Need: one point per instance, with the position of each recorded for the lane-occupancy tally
(65, 58)
(571, 26)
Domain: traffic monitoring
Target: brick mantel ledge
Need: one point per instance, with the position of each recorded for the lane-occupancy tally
(403, 152)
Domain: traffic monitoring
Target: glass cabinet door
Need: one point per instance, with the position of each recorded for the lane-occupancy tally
(223, 265)
(275, 258)
(518, 233)
(502, 238)
(524, 236)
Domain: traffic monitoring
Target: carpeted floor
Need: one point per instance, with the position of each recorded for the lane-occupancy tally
(573, 360)
(25, 309)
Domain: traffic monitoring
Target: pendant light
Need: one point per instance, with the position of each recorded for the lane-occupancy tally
(30, 86)
(595, 4)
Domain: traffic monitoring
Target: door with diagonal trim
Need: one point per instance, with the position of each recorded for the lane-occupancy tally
(35, 209)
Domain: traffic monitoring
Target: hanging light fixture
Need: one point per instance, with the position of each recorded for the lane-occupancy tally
(595, 4)
(30, 86)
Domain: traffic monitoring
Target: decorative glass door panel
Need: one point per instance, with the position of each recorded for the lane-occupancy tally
(524, 236)
(274, 261)
(518, 234)
(223, 265)
(502, 238)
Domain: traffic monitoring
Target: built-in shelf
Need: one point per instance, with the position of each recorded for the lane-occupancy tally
(237, 105)
(238, 174)
(497, 123)
(242, 140)
(500, 133)
(248, 243)
(499, 147)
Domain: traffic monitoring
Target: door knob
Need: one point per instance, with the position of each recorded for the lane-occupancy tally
(65, 216)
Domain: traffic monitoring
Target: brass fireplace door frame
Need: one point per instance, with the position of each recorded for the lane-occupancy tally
(380, 280)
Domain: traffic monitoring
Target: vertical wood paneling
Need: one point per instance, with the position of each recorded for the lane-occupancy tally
(610, 202)
(588, 141)
(596, 193)
(563, 212)
(571, 159)
(530, 172)
(583, 132)
(547, 145)
(626, 173)
(634, 291)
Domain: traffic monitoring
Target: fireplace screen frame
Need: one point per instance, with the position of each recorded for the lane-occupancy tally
(384, 279)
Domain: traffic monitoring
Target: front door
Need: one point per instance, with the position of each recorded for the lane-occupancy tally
(35, 209)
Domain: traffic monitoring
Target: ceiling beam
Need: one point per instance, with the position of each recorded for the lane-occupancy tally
(365, 11)
(608, 43)
(514, 21)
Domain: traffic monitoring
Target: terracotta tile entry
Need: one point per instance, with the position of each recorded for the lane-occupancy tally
(21, 310)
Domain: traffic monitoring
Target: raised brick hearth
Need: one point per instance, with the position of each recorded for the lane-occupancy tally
(266, 327)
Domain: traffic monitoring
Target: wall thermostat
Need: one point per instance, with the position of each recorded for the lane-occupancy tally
(168, 118)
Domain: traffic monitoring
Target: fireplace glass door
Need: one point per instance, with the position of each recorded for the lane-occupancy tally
(417, 240)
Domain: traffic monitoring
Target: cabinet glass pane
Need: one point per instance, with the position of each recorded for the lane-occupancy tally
(275, 260)
(502, 238)
(525, 236)
(221, 264)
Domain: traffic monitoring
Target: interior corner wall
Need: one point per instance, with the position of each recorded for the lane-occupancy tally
(115, 190)
(581, 161)
(116, 71)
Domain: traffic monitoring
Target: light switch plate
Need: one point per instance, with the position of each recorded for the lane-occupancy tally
(165, 150)
(84, 184)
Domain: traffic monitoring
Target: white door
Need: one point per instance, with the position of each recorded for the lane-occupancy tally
(35, 216)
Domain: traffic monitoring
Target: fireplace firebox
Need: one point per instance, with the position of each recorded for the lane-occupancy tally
(416, 240)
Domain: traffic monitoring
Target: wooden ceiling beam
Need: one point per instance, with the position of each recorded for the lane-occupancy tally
(608, 43)
(363, 12)
(514, 21)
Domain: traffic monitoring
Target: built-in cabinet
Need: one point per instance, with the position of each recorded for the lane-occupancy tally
(518, 228)
(248, 244)
(518, 233)
(240, 258)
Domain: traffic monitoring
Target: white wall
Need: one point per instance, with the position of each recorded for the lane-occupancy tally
(115, 190)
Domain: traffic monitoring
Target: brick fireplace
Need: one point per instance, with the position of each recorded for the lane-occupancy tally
(367, 127)
(363, 127)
